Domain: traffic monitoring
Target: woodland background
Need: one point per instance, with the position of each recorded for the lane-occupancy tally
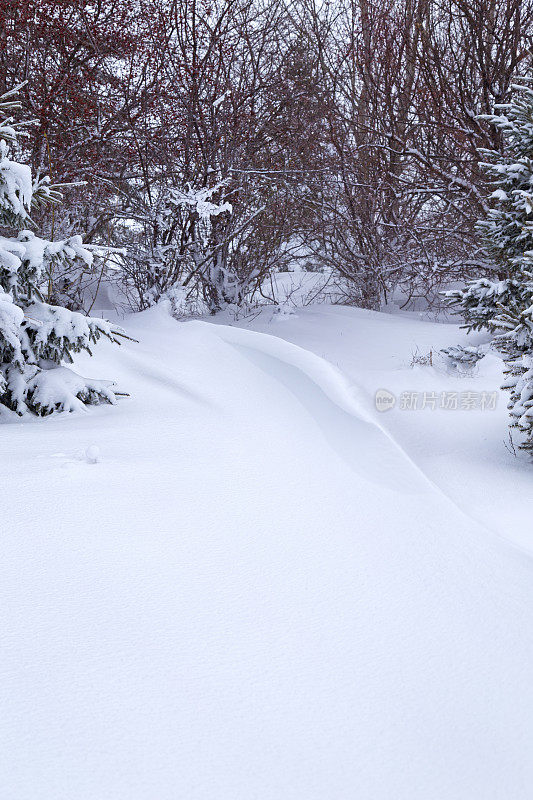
(218, 142)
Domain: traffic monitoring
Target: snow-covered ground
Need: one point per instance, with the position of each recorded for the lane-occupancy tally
(246, 582)
(464, 450)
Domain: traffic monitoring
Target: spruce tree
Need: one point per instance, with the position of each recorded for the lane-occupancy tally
(36, 338)
(505, 306)
(507, 230)
(516, 342)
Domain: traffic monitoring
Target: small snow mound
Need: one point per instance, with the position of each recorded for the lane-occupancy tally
(92, 454)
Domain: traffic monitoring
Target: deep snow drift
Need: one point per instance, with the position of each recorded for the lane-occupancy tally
(247, 589)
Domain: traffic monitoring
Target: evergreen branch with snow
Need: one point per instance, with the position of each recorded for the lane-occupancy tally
(37, 338)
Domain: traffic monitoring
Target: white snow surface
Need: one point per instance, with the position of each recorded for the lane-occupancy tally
(260, 588)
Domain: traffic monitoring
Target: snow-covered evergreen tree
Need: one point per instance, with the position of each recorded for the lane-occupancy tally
(516, 342)
(505, 305)
(36, 337)
(507, 230)
(483, 300)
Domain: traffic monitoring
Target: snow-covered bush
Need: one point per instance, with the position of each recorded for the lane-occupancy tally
(174, 245)
(462, 358)
(211, 246)
(36, 337)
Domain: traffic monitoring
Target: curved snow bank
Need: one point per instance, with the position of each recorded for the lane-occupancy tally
(221, 608)
(336, 406)
(329, 379)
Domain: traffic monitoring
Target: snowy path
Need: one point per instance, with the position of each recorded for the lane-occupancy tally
(254, 594)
